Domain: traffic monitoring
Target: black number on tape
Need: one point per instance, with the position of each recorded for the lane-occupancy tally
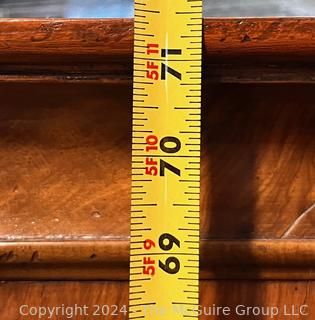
(172, 265)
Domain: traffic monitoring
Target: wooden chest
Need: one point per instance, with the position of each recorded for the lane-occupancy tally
(65, 141)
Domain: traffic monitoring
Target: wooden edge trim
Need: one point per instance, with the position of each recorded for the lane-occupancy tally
(247, 50)
(212, 74)
(69, 78)
(86, 40)
(220, 259)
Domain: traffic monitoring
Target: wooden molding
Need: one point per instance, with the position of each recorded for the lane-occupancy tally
(220, 259)
(82, 40)
(59, 50)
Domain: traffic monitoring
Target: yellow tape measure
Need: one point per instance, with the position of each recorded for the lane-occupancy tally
(164, 253)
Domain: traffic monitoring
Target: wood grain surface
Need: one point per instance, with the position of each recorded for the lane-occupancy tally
(86, 39)
(65, 136)
(235, 50)
(65, 159)
(109, 260)
(230, 294)
(66, 162)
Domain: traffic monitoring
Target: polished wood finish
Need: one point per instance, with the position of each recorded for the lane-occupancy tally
(65, 158)
(257, 259)
(13, 295)
(57, 153)
(98, 40)
(65, 136)
(235, 50)
(258, 152)
(62, 167)
(65, 149)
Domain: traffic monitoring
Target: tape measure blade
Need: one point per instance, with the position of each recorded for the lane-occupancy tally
(165, 196)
